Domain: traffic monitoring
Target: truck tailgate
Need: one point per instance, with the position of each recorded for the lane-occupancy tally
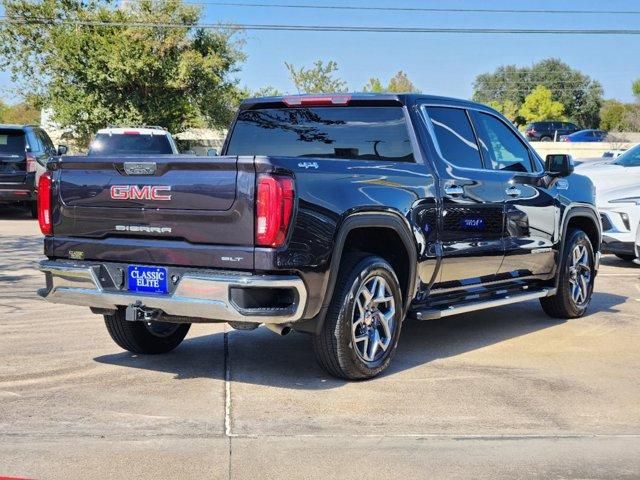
(130, 209)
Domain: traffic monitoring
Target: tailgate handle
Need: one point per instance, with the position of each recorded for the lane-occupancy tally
(140, 168)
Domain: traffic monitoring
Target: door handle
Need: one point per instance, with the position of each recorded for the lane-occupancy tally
(513, 192)
(453, 190)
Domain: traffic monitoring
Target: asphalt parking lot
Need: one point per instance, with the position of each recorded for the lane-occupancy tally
(504, 393)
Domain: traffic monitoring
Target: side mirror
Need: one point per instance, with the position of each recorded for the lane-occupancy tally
(62, 149)
(212, 152)
(558, 165)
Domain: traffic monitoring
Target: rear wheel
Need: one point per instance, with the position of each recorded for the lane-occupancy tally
(361, 330)
(145, 337)
(546, 139)
(575, 284)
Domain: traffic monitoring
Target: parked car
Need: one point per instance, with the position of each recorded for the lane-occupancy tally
(335, 215)
(133, 141)
(620, 214)
(24, 152)
(617, 184)
(549, 131)
(623, 171)
(585, 136)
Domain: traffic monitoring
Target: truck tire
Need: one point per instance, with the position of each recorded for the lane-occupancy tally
(360, 333)
(626, 257)
(145, 337)
(546, 138)
(575, 284)
(33, 209)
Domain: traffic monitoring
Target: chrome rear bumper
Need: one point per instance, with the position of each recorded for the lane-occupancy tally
(197, 295)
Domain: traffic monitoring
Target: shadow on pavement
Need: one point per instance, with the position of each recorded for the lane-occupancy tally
(260, 357)
(12, 212)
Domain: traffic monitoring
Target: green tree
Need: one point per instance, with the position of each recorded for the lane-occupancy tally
(615, 116)
(99, 74)
(374, 86)
(580, 95)
(318, 79)
(539, 105)
(3, 110)
(23, 113)
(267, 91)
(635, 88)
(400, 83)
(508, 108)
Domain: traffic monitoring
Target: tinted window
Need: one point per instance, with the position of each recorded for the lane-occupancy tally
(12, 142)
(500, 145)
(356, 133)
(455, 136)
(46, 141)
(630, 158)
(105, 144)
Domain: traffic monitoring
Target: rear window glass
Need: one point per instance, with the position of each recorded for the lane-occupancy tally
(118, 144)
(353, 133)
(12, 142)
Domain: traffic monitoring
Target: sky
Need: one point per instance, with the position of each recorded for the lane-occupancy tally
(440, 64)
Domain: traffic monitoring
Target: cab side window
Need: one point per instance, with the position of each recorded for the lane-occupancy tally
(500, 146)
(455, 137)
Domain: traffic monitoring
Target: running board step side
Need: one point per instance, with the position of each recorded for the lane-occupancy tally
(435, 313)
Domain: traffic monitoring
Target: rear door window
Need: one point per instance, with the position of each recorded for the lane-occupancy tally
(349, 133)
(500, 145)
(130, 144)
(12, 142)
(454, 136)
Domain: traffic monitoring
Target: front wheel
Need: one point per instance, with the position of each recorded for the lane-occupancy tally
(145, 337)
(361, 330)
(575, 285)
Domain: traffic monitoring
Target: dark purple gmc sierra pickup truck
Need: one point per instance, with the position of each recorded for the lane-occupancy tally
(334, 215)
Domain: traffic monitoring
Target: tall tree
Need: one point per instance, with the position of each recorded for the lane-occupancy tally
(400, 83)
(580, 95)
(374, 86)
(95, 65)
(539, 105)
(22, 113)
(617, 116)
(318, 79)
(267, 91)
(635, 88)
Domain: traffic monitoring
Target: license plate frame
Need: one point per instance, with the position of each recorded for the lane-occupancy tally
(147, 279)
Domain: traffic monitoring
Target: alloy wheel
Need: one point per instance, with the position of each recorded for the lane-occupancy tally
(374, 322)
(580, 275)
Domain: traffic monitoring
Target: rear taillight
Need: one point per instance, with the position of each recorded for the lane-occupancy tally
(44, 204)
(274, 208)
(31, 162)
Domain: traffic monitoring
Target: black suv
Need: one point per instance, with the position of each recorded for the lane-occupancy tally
(549, 131)
(24, 152)
(334, 215)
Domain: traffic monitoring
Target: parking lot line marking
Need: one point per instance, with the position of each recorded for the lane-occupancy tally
(227, 386)
(619, 275)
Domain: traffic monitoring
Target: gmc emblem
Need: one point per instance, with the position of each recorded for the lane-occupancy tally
(146, 192)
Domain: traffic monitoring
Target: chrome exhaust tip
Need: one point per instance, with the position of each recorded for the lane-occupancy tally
(281, 330)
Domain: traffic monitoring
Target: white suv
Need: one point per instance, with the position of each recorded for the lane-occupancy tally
(617, 185)
(133, 141)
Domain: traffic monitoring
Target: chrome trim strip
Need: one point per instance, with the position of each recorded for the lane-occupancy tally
(198, 295)
(434, 314)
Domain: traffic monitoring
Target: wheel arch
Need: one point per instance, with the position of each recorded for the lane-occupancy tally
(351, 230)
(587, 219)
